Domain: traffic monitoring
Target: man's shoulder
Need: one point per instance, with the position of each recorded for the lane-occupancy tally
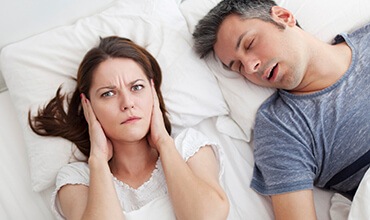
(274, 108)
(357, 34)
(365, 28)
(273, 103)
(282, 106)
(361, 32)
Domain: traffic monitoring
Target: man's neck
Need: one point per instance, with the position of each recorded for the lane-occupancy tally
(328, 63)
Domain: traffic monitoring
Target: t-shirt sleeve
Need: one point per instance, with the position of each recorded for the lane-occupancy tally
(190, 141)
(73, 173)
(284, 159)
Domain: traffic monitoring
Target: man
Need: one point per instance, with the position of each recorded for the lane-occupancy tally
(315, 130)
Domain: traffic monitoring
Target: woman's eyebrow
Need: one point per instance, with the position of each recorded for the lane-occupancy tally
(113, 86)
(105, 87)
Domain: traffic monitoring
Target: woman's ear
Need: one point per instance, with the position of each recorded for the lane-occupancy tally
(283, 16)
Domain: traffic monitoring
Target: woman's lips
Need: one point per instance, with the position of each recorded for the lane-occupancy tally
(131, 120)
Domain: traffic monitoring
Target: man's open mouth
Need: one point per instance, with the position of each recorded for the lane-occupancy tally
(271, 74)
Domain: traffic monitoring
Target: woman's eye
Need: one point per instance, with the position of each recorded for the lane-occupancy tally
(107, 94)
(137, 87)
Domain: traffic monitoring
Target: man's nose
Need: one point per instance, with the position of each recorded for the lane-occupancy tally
(251, 64)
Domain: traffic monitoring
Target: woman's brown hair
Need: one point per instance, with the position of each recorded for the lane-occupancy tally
(53, 120)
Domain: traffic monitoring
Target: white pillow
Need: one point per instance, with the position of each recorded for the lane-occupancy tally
(324, 19)
(34, 68)
(242, 96)
(360, 204)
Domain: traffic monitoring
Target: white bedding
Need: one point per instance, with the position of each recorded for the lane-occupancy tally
(17, 200)
(35, 66)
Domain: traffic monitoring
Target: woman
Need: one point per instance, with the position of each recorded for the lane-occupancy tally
(116, 117)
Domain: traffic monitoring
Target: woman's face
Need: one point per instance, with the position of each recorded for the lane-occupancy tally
(122, 99)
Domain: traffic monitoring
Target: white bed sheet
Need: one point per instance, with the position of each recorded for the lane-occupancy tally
(17, 200)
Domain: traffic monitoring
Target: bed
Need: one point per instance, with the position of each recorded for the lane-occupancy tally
(43, 42)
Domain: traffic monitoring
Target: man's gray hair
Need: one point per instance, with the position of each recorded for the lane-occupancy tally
(205, 34)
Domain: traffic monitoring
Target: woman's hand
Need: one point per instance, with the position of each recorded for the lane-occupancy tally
(158, 134)
(101, 146)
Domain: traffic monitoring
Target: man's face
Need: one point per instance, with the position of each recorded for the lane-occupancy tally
(262, 52)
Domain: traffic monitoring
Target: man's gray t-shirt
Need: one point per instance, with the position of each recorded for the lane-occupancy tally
(304, 140)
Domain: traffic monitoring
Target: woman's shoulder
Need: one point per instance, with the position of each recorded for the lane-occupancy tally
(75, 166)
(190, 141)
(72, 173)
(76, 172)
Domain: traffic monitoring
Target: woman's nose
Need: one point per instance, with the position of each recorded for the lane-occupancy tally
(126, 102)
(126, 107)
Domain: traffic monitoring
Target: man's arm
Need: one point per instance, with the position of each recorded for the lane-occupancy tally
(294, 205)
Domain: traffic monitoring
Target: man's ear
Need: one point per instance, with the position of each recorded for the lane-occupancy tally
(282, 15)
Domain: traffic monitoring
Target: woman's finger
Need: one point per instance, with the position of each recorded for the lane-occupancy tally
(88, 111)
(155, 96)
(84, 107)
